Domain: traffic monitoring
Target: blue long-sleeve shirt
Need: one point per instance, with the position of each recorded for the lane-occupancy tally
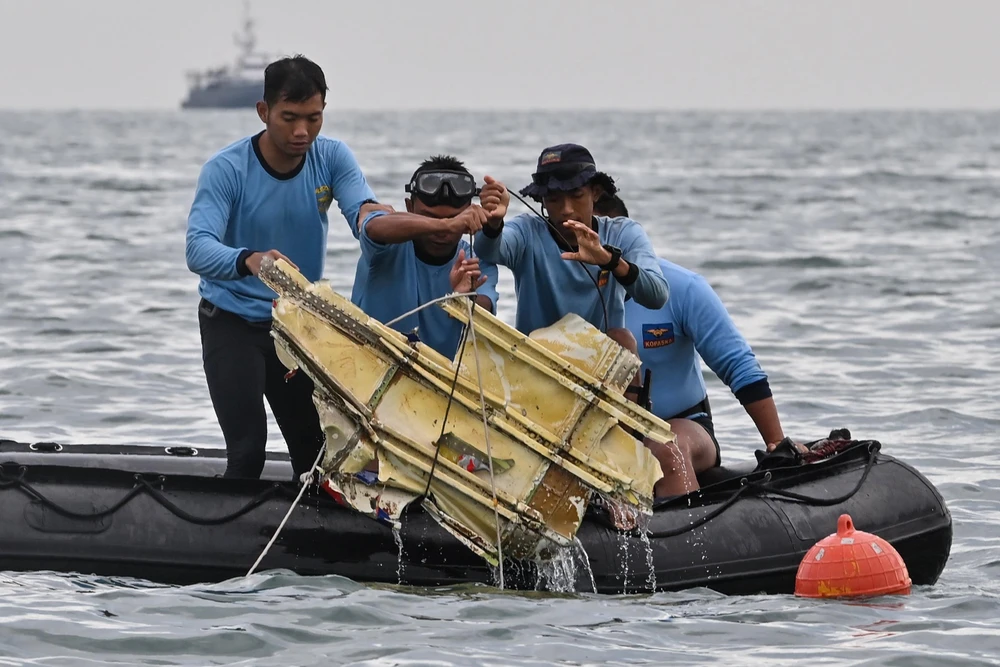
(549, 287)
(693, 322)
(241, 204)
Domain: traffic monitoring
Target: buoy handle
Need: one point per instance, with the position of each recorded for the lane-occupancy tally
(845, 527)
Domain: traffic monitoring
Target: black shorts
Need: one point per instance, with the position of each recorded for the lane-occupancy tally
(705, 421)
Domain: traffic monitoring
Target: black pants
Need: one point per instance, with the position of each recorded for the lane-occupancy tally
(242, 369)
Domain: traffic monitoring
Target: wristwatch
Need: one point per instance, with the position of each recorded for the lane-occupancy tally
(616, 255)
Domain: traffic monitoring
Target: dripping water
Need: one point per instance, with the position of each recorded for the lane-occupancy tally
(398, 536)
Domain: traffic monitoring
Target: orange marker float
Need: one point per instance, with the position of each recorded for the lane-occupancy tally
(851, 563)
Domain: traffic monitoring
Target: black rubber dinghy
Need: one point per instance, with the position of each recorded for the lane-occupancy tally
(167, 515)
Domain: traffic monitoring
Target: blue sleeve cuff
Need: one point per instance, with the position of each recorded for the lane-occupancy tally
(368, 218)
(371, 248)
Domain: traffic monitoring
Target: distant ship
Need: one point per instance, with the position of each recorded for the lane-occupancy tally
(239, 86)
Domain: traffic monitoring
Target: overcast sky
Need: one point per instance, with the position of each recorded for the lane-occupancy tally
(637, 54)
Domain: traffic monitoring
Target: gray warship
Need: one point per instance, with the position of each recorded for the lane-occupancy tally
(236, 86)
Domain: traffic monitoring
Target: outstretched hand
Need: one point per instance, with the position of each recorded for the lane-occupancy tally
(465, 275)
(589, 248)
(495, 199)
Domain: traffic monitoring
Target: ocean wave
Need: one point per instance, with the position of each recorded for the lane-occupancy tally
(794, 262)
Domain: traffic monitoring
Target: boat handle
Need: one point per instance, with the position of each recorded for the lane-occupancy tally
(45, 447)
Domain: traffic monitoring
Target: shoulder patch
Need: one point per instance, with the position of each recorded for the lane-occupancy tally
(324, 197)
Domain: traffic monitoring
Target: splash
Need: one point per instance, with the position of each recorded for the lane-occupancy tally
(557, 573)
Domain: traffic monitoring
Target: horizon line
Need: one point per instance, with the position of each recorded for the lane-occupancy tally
(529, 109)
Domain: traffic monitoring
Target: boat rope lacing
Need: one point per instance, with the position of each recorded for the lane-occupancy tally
(145, 486)
(141, 486)
(307, 480)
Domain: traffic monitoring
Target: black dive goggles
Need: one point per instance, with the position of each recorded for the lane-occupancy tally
(443, 187)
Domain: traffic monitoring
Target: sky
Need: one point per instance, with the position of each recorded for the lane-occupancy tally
(518, 54)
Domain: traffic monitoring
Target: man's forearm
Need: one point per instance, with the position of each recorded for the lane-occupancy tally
(367, 209)
(648, 288)
(622, 269)
(489, 243)
(401, 227)
(764, 414)
(485, 302)
(210, 258)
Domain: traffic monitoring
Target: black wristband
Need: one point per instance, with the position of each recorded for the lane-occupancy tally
(491, 232)
(616, 255)
(241, 263)
(630, 277)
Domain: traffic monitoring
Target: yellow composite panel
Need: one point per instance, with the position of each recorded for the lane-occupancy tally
(592, 437)
(553, 413)
(569, 370)
(359, 370)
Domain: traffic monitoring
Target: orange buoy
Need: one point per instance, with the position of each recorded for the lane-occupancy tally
(851, 563)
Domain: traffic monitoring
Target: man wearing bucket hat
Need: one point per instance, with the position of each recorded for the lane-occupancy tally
(576, 262)
(572, 261)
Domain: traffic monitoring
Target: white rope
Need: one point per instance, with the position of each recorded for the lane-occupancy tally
(305, 484)
(486, 435)
(486, 428)
(446, 297)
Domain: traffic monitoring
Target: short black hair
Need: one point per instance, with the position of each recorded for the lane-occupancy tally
(611, 206)
(294, 79)
(609, 203)
(604, 182)
(441, 163)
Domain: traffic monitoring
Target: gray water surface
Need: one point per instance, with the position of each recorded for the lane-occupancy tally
(858, 253)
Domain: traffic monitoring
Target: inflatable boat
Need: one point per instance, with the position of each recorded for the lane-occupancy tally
(166, 514)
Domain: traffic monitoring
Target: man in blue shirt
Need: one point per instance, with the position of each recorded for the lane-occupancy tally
(670, 339)
(551, 259)
(411, 258)
(267, 195)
